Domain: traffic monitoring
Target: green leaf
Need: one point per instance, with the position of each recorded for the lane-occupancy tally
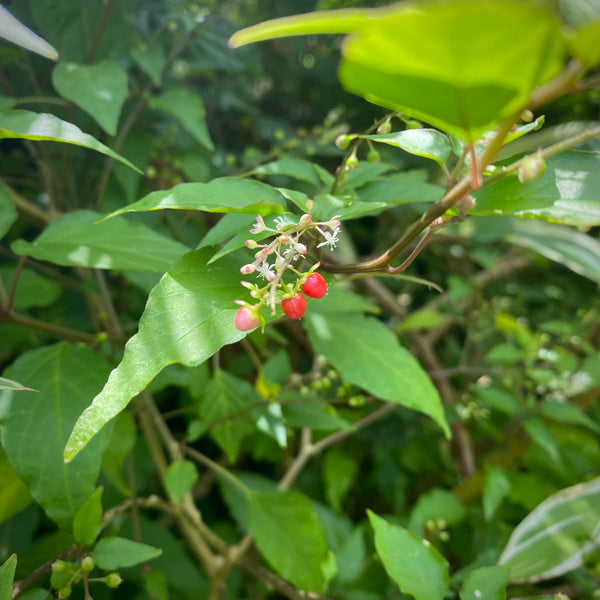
(300, 411)
(8, 212)
(23, 124)
(414, 564)
(87, 523)
(7, 575)
(377, 363)
(226, 195)
(224, 395)
(567, 192)
(325, 21)
(113, 553)
(495, 489)
(297, 168)
(188, 109)
(287, 532)
(9, 384)
(122, 441)
(539, 434)
(564, 412)
(36, 425)
(188, 317)
(99, 89)
(401, 188)
(435, 504)
(32, 288)
(180, 478)
(439, 62)
(556, 536)
(78, 239)
(14, 495)
(14, 31)
(486, 582)
(585, 44)
(150, 59)
(573, 249)
(155, 584)
(421, 142)
(339, 471)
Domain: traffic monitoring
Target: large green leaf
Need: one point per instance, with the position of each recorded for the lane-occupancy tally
(8, 212)
(226, 195)
(566, 193)
(414, 564)
(78, 239)
(14, 495)
(187, 108)
(36, 425)
(14, 31)
(224, 395)
(288, 534)
(377, 362)
(23, 124)
(188, 317)
(487, 582)
(449, 63)
(446, 63)
(556, 536)
(421, 142)
(569, 247)
(7, 574)
(99, 89)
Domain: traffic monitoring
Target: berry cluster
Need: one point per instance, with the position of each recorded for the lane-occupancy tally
(275, 259)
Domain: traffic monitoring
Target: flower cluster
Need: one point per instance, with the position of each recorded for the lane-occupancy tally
(276, 258)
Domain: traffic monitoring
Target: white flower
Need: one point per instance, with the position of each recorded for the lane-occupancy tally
(265, 270)
(331, 238)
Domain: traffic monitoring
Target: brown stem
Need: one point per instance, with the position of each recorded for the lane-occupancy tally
(89, 57)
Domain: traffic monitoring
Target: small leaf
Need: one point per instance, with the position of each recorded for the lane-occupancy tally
(14, 494)
(99, 89)
(113, 553)
(226, 194)
(7, 575)
(288, 534)
(339, 471)
(556, 536)
(87, 523)
(78, 239)
(14, 31)
(421, 142)
(302, 170)
(377, 363)
(188, 109)
(226, 394)
(487, 583)
(23, 124)
(188, 317)
(414, 564)
(566, 193)
(32, 289)
(179, 479)
(564, 412)
(495, 489)
(15, 386)
(8, 212)
(573, 249)
(150, 59)
(438, 504)
(122, 441)
(36, 425)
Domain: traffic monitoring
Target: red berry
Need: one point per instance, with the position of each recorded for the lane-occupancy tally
(294, 307)
(315, 286)
(245, 319)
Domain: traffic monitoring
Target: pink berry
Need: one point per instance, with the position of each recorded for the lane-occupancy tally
(294, 307)
(315, 286)
(245, 319)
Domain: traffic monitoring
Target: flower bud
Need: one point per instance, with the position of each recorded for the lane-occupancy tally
(532, 167)
(343, 141)
(247, 269)
(251, 244)
(113, 580)
(87, 564)
(385, 127)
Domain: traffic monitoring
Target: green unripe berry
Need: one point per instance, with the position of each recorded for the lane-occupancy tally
(343, 141)
(58, 566)
(113, 580)
(385, 127)
(373, 156)
(64, 592)
(87, 564)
